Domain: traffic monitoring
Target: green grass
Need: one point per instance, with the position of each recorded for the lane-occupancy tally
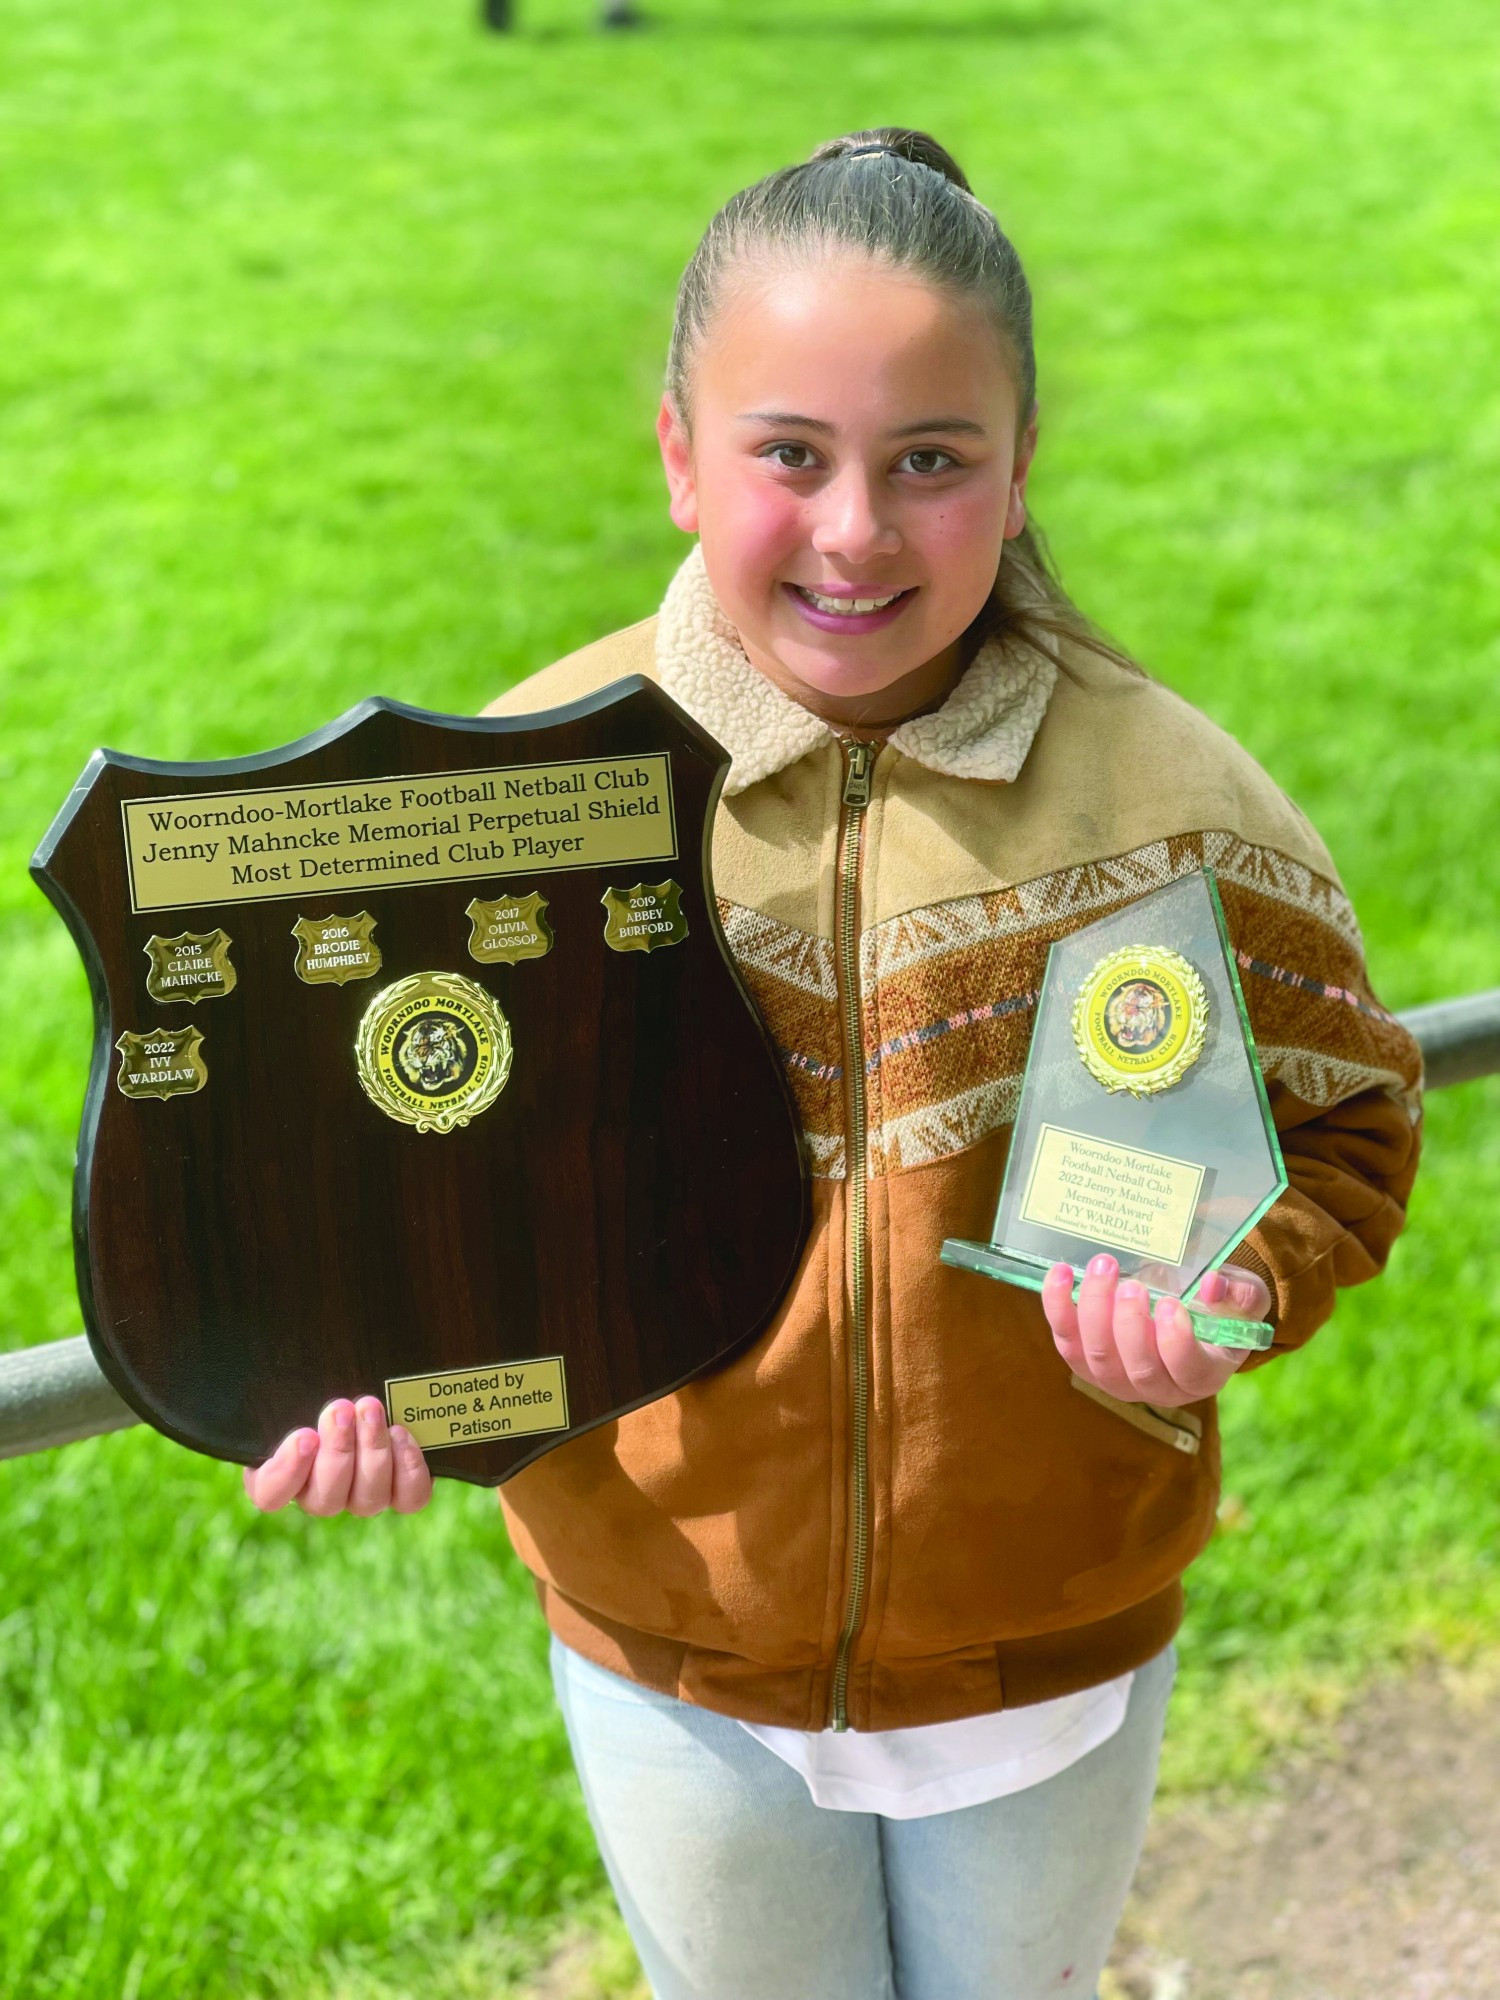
(330, 340)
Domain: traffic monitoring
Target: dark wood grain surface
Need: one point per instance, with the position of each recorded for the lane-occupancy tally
(634, 1201)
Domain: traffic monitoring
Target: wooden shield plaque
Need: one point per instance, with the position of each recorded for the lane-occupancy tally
(421, 1070)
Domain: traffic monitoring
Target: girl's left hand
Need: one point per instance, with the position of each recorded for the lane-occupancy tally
(1110, 1338)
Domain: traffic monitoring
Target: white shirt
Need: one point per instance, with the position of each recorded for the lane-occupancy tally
(909, 1773)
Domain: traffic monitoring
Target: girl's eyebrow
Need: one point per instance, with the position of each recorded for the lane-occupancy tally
(965, 425)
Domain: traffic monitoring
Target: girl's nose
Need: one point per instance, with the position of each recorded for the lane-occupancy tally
(852, 520)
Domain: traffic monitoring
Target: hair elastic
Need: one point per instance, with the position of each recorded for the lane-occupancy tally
(854, 153)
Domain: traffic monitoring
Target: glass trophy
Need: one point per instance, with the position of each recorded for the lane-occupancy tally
(1143, 1127)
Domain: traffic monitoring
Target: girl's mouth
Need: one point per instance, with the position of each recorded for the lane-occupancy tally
(847, 614)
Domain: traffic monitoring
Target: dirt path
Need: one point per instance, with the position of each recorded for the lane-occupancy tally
(1369, 1871)
(1373, 1870)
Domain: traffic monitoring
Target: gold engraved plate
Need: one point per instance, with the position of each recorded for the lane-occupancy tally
(644, 918)
(1121, 1196)
(295, 841)
(1140, 1019)
(468, 1405)
(189, 968)
(433, 1050)
(510, 929)
(333, 950)
(165, 1062)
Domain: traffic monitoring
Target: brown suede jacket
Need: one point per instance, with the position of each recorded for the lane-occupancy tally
(895, 1507)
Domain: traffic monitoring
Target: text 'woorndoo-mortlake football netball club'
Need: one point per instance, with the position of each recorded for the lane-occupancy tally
(254, 846)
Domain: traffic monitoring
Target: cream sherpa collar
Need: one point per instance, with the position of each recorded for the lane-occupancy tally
(983, 730)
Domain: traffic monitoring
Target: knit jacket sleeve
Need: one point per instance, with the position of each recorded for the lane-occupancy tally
(1344, 1081)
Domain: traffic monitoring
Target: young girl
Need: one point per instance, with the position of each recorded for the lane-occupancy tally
(864, 1640)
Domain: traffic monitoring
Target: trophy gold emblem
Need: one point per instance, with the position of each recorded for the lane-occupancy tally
(1140, 1019)
(433, 1050)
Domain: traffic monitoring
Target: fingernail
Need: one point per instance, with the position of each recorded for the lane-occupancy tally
(343, 1418)
(367, 1415)
(1129, 1289)
(1213, 1288)
(1101, 1267)
(400, 1434)
(307, 1443)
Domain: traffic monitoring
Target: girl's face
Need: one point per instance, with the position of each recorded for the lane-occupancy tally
(854, 437)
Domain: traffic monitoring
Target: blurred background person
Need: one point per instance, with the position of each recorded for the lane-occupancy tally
(500, 15)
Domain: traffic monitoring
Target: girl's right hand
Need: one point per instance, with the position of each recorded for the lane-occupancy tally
(352, 1463)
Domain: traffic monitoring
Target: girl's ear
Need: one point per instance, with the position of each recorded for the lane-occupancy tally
(677, 458)
(1015, 506)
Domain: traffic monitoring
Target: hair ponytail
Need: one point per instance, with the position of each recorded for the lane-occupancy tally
(897, 196)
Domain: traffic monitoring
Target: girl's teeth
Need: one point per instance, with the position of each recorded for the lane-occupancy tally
(848, 606)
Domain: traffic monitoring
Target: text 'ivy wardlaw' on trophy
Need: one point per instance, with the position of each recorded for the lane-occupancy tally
(1143, 1127)
(422, 1071)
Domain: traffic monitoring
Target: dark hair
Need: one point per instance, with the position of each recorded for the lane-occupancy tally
(902, 199)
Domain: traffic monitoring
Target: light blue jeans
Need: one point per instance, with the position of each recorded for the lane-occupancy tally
(735, 1886)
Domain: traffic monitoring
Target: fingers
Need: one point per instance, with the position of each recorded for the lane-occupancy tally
(370, 1488)
(1112, 1338)
(1135, 1339)
(1096, 1325)
(1088, 1334)
(412, 1486)
(1062, 1315)
(332, 1477)
(1235, 1292)
(284, 1474)
(389, 1469)
(352, 1462)
(1195, 1368)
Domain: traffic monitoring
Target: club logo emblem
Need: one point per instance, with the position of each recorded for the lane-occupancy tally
(1140, 1019)
(433, 1050)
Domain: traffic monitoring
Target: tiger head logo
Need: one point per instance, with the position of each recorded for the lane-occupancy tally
(434, 1053)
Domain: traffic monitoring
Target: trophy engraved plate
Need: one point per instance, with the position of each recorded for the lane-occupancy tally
(166, 1062)
(1117, 1196)
(433, 1050)
(189, 968)
(575, 1161)
(644, 918)
(509, 1399)
(509, 930)
(1143, 1126)
(333, 950)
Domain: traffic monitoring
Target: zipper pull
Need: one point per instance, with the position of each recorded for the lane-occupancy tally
(857, 775)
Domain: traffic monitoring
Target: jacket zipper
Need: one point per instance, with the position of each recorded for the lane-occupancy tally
(858, 759)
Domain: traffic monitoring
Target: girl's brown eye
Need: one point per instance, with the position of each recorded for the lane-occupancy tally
(775, 453)
(930, 451)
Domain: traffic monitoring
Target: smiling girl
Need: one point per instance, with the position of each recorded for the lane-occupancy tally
(864, 1641)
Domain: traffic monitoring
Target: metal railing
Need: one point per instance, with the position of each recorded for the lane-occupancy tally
(56, 1394)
